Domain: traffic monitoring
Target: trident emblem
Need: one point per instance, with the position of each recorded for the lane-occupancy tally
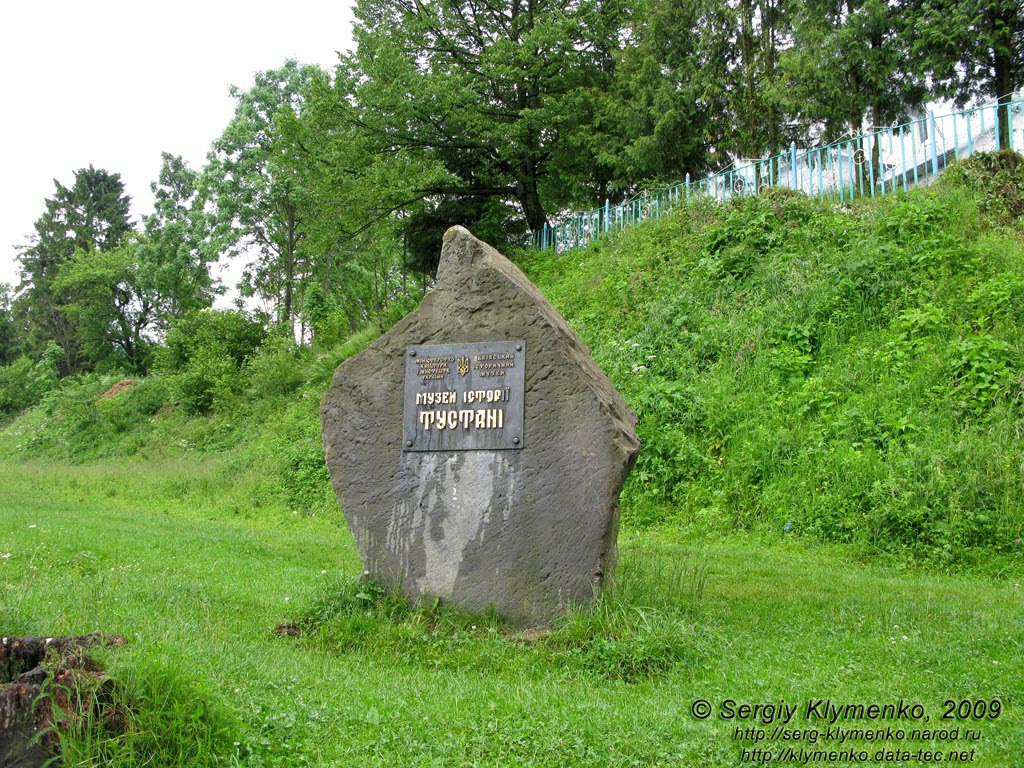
(462, 366)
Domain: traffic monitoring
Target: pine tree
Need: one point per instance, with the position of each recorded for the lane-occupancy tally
(90, 215)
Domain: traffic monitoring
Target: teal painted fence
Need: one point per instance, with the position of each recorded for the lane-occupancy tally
(874, 163)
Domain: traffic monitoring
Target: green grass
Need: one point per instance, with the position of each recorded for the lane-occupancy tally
(198, 591)
(850, 374)
(829, 505)
(845, 373)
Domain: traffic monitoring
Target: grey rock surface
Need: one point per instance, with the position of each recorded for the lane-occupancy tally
(528, 533)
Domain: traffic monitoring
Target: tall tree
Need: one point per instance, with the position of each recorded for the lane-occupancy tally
(355, 190)
(112, 304)
(487, 90)
(179, 247)
(91, 215)
(263, 206)
(762, 30)
(974, 49)
(663, 108)
(852, 67)
(11, 341)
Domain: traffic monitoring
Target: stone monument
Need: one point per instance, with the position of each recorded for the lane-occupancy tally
(478, 451)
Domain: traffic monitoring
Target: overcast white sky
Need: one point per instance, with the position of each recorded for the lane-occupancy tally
(114, 83)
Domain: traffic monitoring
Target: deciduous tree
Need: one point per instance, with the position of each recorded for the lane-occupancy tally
(485, 90)
(112, 306)
(262, 202)
(175, 256)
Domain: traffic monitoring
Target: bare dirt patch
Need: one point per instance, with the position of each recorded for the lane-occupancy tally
(118, 388)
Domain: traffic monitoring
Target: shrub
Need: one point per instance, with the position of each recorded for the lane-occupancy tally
(208, 333)
(275, 369)
(24, 382)
(983, 369)
(205, 351)
(997, 176)
(203, 382)
(17, 390)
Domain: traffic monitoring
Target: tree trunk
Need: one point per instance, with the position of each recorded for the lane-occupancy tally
(28, 720)
(289, 270)
(1003, 80)
(747, 118)
(876, 159)
(527, 98)
(769, 62)
(529, 198)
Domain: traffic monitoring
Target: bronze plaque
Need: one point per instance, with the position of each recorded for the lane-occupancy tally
(464, 397)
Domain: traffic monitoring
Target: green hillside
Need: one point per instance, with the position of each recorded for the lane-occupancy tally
(828, 506)
(850, 373)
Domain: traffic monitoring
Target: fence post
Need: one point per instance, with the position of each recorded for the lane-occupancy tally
(956, 138)
(792, 159)
(821, 173)
(1006, 116)
(1009, 118)
(935, 148)
(913, 151)
(870, 160)
(852, 146)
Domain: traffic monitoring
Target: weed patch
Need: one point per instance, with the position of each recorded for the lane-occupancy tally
(805, 369)
(153, 712)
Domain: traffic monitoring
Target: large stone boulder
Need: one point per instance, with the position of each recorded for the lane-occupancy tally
(527, 529)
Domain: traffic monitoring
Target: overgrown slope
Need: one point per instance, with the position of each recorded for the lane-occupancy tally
(851, 373)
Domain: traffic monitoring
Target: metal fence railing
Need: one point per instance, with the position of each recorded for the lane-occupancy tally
(873, 163)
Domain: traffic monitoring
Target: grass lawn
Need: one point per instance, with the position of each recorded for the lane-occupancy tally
(165, 556)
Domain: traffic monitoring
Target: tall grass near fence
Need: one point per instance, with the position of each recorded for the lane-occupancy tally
(851, 373)
(864, 164)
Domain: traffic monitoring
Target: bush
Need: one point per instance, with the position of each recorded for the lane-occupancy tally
(209, 333)
(24, 382)
(17, 389)
(205, 351)
(997, 176)
(275, 369)
(203, 382)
